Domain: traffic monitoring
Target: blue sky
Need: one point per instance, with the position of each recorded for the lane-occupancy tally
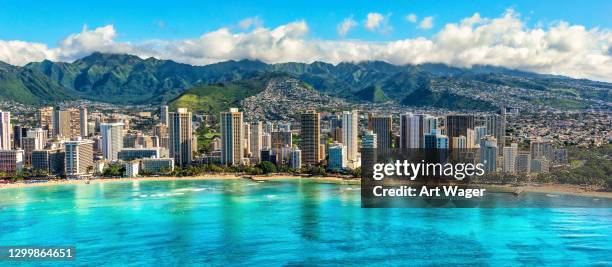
(556, 37)
(40, 21)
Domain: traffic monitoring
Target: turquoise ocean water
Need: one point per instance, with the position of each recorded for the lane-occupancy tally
(241, 222)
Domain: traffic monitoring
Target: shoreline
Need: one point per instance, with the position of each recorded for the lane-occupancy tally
(566, 189)
(331, 179)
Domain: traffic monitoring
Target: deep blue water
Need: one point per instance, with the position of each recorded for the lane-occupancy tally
(240, 222)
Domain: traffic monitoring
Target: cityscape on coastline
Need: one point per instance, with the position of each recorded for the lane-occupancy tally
(77, 142)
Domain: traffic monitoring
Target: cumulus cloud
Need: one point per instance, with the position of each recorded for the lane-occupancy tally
(247, 23)
(426, 23)
(373, 21)
(561, 48)
(346, 25)
(412, 18)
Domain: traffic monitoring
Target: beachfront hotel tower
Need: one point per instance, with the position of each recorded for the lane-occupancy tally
(232, 144)
(112, 139)
(78, 159)
(350, 129)
(310, 131)
(180, 135)
(5, 130)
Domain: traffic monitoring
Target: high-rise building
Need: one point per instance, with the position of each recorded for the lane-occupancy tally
(410, 130)
(163, 115)
(496, 126)
(67, 122)
(296, 158)
(457, 125)
(479, 133)
(35, 139)
(44, 118)
(430, 124)
(246, 133)
(266, 141)
(488, 153)
(232, 137)
(523, 162)
(436, 140)
(161, 131)
(83, 121)
(19, 132)
(540, 165)
(48, 160)
(11, 161)
(382, 126)
(337, 157)
(180, 137)
(368, 152)
(310, 131)
(542, 149)
(510, 154)
(112, 139)
(281, 140)
(5, 130)
(369, 140)
(78, 158)
(256, 139)
(350, 131)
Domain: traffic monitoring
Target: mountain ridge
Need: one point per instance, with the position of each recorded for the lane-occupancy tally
(129, 79)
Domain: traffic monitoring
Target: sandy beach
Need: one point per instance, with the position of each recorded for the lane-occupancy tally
(536, 188)
(220, 176)
(555, 189)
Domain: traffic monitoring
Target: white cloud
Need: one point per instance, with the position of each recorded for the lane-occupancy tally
(374, 20)
(426, 23)
(562, 48)
(412, 18)
(346, 25)
(245, 24)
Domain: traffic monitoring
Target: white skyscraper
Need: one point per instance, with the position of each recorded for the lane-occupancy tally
(78, 158)
(112, 139)
(5, 130)
(350, 128)
(83, 121)
(510, 153)
(410, 131)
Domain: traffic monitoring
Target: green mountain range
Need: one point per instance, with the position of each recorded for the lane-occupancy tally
(127, 79)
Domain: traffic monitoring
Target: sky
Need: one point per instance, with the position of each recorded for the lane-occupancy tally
(558, 37)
